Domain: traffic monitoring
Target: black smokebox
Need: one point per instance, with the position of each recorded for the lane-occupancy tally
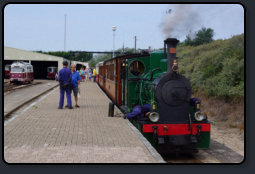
(170, 51)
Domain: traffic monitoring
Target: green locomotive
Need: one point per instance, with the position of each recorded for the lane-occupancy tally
(175, 123)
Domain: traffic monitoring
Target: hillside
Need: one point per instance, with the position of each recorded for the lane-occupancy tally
(216, 72)
(215, 69)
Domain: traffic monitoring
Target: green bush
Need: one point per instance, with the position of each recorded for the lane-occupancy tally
(215, 69)
(204, 35)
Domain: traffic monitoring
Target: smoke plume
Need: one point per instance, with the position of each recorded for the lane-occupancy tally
(180, 21)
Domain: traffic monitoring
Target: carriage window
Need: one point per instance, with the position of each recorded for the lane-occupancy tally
(136, 68)
(110, 72)
(17, 69)
(101, 70)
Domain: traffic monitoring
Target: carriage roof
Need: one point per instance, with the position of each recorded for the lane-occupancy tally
(21, 64)
(100, 63)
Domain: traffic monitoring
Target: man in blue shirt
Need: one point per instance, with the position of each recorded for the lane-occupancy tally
(76, 78)
(65, 79)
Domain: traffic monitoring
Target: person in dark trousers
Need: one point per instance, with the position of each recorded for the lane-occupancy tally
(139, 111)
(76, 78)
(65, 84)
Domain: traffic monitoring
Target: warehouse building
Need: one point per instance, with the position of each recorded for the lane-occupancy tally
(39, 61)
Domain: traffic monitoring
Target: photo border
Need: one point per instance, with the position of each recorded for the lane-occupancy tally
(4, 3)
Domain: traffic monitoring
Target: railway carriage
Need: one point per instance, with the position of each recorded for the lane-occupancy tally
(21, 72)
(51, 72)
(99, 69)
(175, 123)
(7, 69)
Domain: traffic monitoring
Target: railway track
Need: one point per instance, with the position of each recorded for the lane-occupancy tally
(218, 153)
(182, 158)
(29, 92)
(9, 87)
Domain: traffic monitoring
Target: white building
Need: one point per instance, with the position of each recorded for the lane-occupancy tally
(39, 61)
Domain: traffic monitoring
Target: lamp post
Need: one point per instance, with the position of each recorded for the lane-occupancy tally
(113, 29)
(65, 35)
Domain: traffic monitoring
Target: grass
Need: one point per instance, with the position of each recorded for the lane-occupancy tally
(215, 69)
(231, 114)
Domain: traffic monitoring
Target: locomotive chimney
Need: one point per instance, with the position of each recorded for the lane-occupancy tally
(170, 51)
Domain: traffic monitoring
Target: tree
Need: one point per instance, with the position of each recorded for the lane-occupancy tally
(204, 35)
(83, 57)
(99, 58)
(88, 57)
(188, 41)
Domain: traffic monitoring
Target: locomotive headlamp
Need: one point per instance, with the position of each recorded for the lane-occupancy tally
(197, 105)
(154, 117)
(175, 66)
(199, 116)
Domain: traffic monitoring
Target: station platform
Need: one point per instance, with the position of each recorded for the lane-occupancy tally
(45, 134)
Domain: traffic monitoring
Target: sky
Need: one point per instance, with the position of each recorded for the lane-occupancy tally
(89, 26)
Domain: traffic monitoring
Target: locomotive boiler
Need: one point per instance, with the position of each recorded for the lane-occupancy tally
(174, 122)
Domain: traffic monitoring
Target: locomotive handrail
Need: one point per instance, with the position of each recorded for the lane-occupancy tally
(146, 79)
(152, 72)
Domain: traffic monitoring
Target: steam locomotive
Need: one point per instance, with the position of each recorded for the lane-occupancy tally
(175, 123)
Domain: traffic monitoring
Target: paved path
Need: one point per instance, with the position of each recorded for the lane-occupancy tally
(85, 135)
(20, 96)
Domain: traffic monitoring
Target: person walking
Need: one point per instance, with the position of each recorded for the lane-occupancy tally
(94, 74)
(56, 76)
(89, 74)
(76, 78)
(81, 73)
(86, 73)
(65, 79)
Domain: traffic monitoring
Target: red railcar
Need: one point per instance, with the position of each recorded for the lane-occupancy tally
(21, 72)
(7, 71)
(51, 72)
